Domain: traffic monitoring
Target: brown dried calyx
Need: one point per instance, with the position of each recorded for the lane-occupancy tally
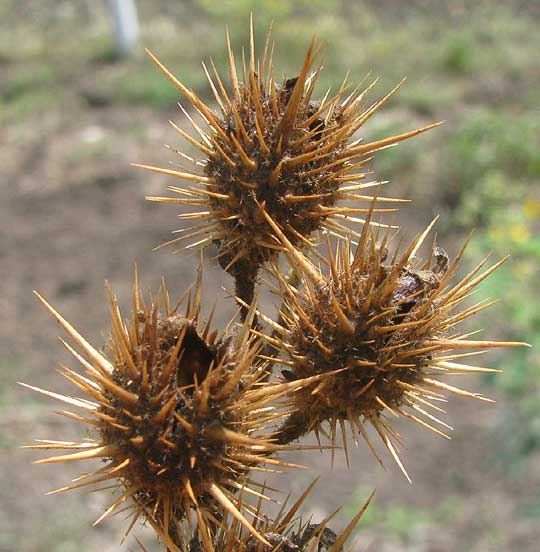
(382, 330)
(181, 417)
(271, 144)
(286, 533)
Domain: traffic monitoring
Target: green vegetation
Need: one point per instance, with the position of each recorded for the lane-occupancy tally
(399, 522)
(495, 157)
(494, 164)
(516, 229)
(476, 57)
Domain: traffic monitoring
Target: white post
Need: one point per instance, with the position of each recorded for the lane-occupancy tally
(126, 25)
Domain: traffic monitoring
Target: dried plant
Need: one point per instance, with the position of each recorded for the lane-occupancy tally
(179, 414)
(285, 533)
(272, 144)
(381, 328)
(182, 415)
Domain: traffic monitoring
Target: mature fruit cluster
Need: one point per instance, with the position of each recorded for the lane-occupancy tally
(180, 415)
(381, 328)
(285, 533)
(272, 144)
(183, 416)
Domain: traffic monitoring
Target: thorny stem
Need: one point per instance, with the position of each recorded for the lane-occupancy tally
(174, 534)
(325, 537)
(293, 279)
(245, 278)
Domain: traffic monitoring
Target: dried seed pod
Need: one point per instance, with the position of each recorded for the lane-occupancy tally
(179, 415)
(286, 533)
(387, 325)
(272, 144)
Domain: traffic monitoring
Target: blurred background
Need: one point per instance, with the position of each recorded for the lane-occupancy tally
(75, 111)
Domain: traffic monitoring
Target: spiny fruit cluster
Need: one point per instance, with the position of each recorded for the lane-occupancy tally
(183, 416)
(272, 144)
(285, 532)
(380, 329)
(180, 414)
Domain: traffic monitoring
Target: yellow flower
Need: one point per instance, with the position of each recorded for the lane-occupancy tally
(531, 208)
(519, 233)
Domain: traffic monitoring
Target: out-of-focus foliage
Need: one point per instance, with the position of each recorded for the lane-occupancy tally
(515, 228)
(268, 10)
(494, 164)
(496, 161)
